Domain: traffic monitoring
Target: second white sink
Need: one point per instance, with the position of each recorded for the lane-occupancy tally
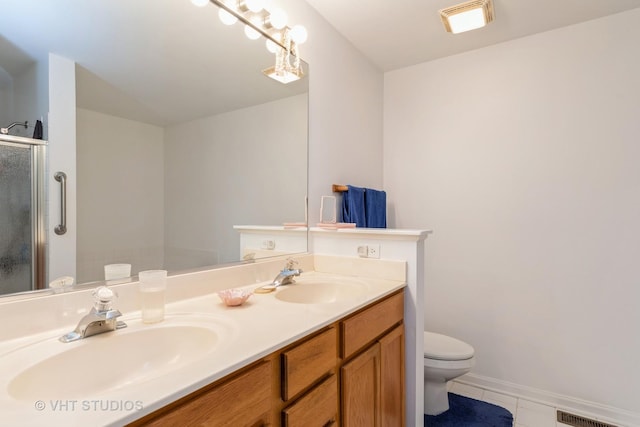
(321, 292)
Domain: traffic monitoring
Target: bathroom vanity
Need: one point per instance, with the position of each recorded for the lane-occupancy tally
(330, 347)
(348, 373)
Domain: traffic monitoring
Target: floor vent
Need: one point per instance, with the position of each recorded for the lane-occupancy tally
(578, 421)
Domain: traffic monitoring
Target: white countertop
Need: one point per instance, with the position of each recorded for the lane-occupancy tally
(251, 331)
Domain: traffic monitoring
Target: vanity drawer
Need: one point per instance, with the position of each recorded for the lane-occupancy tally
(243, 400)
(307, 362)
(317, 408)
(365, 326)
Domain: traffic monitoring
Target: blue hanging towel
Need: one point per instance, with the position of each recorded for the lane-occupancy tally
(353, 206)
(375, 206)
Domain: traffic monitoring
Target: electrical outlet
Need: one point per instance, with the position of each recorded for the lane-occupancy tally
(268, 244)
(363, 251)
(373, 251)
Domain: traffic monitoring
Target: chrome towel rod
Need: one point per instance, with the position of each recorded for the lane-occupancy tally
(61, 177)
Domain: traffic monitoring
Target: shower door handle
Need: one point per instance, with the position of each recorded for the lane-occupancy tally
(61, 177)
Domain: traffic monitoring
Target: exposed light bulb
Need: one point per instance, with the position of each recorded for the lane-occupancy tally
(271, 46)
(226, 17)
(200, 3)
(299, 34)
(250, 32)
(254, 5)
(278, 18)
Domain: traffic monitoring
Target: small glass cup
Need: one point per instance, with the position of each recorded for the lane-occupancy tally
(328, 210)
(152, 287)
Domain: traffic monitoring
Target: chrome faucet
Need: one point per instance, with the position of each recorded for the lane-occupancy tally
(101, 318)
(5, 131)
(285, 277)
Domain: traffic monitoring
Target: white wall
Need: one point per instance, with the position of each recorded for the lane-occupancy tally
(120, 188)
(62, 157)
(24, 97)
(345, 109)
(6, 97)
(31, 98)
(523, 159)
(345, 113)
(254, 152)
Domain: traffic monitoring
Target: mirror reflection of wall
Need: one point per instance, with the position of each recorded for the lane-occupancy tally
(144, 183)
(23, 90)
(171, 137)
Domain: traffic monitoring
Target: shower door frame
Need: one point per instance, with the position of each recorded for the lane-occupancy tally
(38, 150)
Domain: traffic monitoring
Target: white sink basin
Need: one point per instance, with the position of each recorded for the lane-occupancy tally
(110, 361)
(321, 292)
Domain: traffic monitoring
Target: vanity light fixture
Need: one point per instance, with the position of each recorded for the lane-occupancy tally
(287, 68)
(281, 40)
(467, 16)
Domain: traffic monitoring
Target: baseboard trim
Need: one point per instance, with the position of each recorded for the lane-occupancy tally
(608, 414)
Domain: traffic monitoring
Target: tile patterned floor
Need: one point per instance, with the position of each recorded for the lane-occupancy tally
(525, 413)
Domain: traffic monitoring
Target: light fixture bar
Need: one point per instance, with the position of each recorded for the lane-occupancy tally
(281, 40)
(246, 21)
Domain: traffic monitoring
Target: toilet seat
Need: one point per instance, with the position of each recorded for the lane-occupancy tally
(445, 359)
(443, 347)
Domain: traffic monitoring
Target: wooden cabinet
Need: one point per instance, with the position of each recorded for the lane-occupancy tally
(242, 400)
(303, 366)
(361, 389)
(350, 373)
(308, 362)
(319, 407)
(365, 326)
(392, 388)
(372, 382)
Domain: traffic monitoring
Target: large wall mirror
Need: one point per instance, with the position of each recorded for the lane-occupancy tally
(179, 136)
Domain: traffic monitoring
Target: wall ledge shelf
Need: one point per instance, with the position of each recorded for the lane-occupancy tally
(379, 233)
(270, 228)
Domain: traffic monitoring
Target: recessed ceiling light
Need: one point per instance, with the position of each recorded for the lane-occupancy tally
(467, 16)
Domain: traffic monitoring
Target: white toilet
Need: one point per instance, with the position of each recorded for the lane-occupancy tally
(445, 359)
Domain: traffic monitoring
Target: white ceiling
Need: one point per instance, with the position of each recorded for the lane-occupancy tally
(400, 33)
(156, 61)
(166, 61)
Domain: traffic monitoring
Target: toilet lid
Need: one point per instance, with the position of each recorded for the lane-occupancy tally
(443, 347)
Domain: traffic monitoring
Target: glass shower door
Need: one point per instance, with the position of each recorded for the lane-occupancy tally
(21, 218)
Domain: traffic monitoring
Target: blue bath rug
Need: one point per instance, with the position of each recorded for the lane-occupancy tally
(467, 412)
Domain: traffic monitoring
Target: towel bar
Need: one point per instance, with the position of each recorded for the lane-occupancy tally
(337, 188)
(61, 228)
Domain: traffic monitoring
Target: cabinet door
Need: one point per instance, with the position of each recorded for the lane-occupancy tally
(318, 408)
(361, 389)
(392, 400)
(244, 400)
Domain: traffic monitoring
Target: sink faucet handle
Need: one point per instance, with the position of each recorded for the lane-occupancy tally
(291, 263)
(103, 297)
